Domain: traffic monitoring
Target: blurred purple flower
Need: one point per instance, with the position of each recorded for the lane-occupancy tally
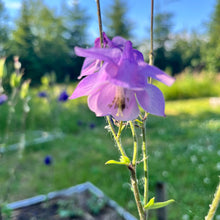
(3, 99)
(79, 123)
(63, 96)
(48, 160)
(121, 84)
(42, 94)
(92, 125)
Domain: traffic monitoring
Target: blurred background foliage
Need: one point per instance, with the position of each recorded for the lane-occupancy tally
(44, 39)
(186, 143)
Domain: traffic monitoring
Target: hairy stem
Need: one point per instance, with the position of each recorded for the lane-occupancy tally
(136, 192)
(117, 139)
(214, 205)
(120, 129)
(145, 162)
(135, 151)
(11, 103)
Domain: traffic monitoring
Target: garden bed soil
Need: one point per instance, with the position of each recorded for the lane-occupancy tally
(80, 206)
(81, 202)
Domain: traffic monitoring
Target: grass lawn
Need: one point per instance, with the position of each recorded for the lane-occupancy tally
(184, 152)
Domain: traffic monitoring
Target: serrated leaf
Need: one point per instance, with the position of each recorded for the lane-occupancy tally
(158, 205)
(123, 161)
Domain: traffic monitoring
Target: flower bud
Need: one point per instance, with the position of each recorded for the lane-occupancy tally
(24, 89)
(17, 64)
(15, 80)
(2, 64)
(45, 81)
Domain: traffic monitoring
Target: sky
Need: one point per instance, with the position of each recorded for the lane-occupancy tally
(189, 15)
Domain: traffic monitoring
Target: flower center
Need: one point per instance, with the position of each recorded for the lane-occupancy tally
(119, 101)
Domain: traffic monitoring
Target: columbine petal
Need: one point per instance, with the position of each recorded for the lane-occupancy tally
(131, 112)
(128, 77)
(106, 102)
(138, 56)
(106, 41)
(88, 85)
(97, 106)
(119, 41)
(128, 74)
(151, 100)
(105, 54)
(159, 75)
(90, 66)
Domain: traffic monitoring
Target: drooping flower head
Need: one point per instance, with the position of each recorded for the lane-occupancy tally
(119, 84)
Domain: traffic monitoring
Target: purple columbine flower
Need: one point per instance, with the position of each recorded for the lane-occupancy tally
(63, 96)
(120, 85)
(3, 99)
(42, 94)
(48, 160)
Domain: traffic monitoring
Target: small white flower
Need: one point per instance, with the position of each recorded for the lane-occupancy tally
(217, 217)
(193, 158)
(185, 217)
(218, 166)
(165, 173)
(206, 180)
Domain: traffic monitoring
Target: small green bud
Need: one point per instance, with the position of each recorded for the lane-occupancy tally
(45, 81)
(15, 80)
(17, 64)
(24, 89)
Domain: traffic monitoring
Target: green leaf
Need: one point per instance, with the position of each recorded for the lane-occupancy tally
(15, 80)
(123, 161)
(2, 67)
(140, 122)
(158, 205)
(24, 89)
(150, 203)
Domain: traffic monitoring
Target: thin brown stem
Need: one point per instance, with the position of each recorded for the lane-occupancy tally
(100, 22)
(151, 34)
(134, 184)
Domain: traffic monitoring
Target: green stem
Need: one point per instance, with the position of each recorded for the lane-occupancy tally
(120, 129)
(214, 205)
(135, 151)
(11, 103)
(117, 139)
(145, 161)
(136, 192)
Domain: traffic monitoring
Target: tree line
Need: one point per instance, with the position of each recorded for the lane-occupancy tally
(44, 40)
